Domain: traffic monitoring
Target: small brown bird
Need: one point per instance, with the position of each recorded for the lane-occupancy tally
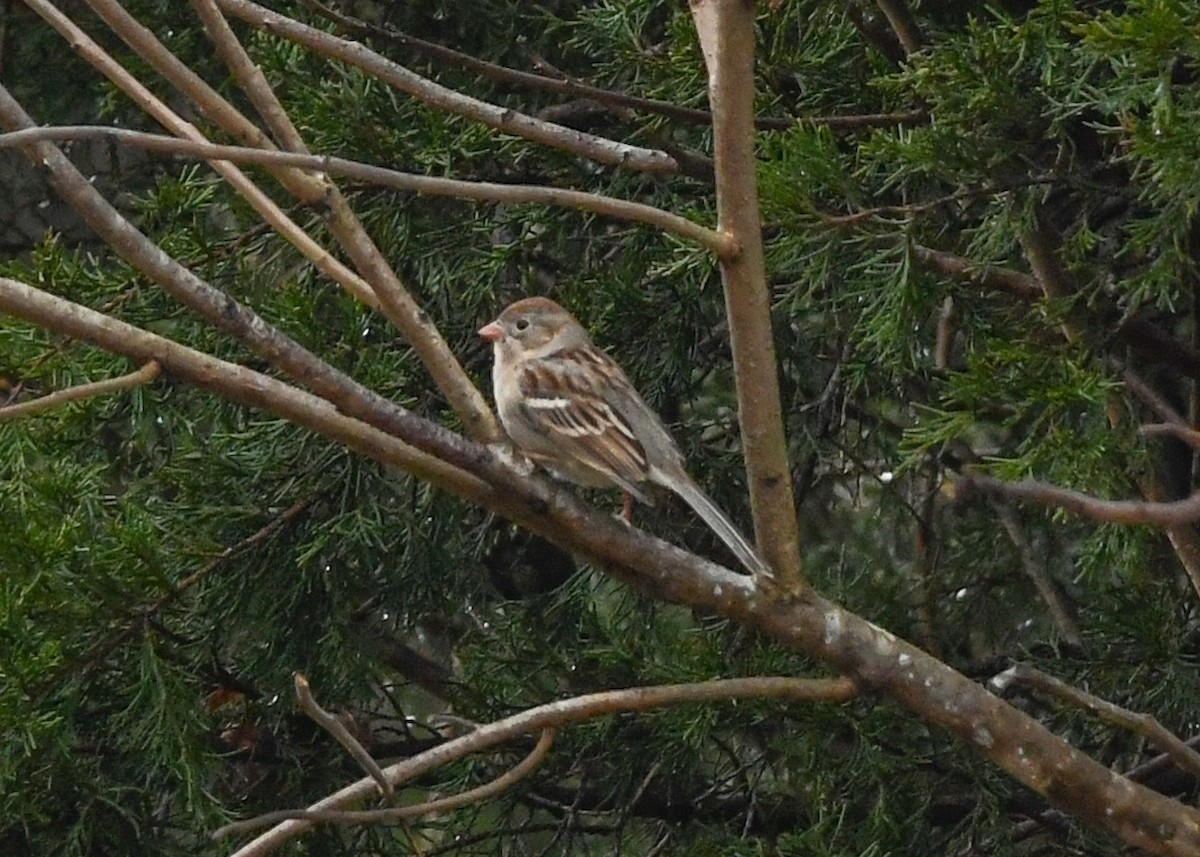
(567, 405)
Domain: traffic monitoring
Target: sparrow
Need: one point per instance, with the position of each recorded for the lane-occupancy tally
(568, 406)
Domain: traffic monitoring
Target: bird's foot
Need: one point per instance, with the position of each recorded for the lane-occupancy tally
(510, 456)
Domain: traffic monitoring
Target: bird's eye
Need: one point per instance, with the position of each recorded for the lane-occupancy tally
(522, 324)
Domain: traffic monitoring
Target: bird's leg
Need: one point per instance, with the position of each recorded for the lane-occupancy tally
(627, 507)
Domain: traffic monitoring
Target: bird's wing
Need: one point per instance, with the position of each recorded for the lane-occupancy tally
(569, 396)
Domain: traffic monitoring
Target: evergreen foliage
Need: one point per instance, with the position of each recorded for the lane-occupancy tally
(135, 720)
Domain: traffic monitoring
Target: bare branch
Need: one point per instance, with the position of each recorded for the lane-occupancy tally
(394, 299)
(903, 24)
(231, 381)
(1042, 244)
(397, 813)
(588, 146)
(336, 728)
(960, 268)
(250, 77)
(1157, 514)
(947, 327)
(554, 715)
(1184, 538)
(875, 659)
(718, 242)
(610, 98)
(1188, 435)
(1142, 724)
(259, 201)
(1149, 397)
(726, 31)
(83, 391)
(1036, 573)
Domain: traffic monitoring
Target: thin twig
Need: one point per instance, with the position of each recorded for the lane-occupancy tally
(336, 728)
(913, 208)
(1156, 514)
(397, 813)
(555, 715)
(577, 89)
(925, 554)
(590, 146)
(965, 270)
(718, 242)
(1142, 724)
(1036, 573)
(904, 25)
(947, 327)
(83, 391)
(1150, 397)
(1043, 246)
(1188, 435)
(99, 652)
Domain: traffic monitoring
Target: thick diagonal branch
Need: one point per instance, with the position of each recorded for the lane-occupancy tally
(872, 657)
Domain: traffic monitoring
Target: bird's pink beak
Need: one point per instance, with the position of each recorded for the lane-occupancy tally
(492, 332)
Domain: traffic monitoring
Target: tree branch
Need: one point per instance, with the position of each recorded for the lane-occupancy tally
(598, 149)
(394, 299)
(397, 813)
(903, 24)
(986, 276)
(552, 716)
(1142, 724)
(1038, 575)
(1156, 514)
(871, 656)
(233, 382)
(336, 728)
(83, 391)
(258, 200)
(1184, 538)
(608, 97)
(1042, 245)
(719, 243)
(726, 30)
(1188, 435)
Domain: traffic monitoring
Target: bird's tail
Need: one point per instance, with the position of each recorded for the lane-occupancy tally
(720, 524)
